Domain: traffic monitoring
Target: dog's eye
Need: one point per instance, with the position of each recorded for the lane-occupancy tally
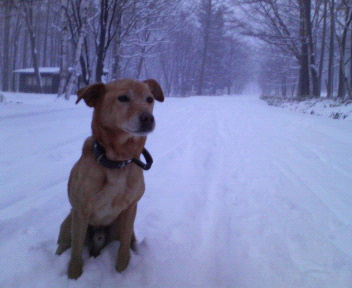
(123, 98)
(150, 99)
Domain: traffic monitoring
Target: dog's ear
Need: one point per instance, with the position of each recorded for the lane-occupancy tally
(155, 89)
(91, 93)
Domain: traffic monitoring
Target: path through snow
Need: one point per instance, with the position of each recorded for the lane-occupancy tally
(240, 195)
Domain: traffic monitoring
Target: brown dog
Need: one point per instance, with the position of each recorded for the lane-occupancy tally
(107, 181)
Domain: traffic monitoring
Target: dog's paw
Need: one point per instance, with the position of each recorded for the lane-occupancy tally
(122, 262)
(75, 269)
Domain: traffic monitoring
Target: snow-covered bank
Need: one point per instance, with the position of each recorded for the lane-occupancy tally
(241, 194)
(333, 108)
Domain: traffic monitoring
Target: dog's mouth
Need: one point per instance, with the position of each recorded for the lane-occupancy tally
(139, 132)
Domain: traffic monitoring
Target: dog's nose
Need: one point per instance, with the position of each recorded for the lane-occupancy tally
(146, 118)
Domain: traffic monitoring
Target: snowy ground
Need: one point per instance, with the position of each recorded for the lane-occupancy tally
(241, 194)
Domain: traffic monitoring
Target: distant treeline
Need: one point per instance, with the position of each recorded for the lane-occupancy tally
(188, 47)
(308, 46)
(195, 47)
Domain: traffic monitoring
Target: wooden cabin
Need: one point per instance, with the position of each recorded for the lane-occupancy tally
(25, 81)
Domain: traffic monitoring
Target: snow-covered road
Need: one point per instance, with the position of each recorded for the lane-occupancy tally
(241, 194)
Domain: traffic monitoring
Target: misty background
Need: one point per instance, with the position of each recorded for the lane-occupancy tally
(290, 48)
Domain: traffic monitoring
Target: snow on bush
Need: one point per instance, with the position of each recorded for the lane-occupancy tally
(333, 108)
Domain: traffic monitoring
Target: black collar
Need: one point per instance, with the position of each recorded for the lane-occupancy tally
(100, 154)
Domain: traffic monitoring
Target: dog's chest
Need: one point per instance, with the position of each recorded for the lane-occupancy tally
(115, 196)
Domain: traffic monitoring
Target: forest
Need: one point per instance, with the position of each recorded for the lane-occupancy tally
(291, 48)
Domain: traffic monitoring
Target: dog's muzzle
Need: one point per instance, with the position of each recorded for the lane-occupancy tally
(146, 122)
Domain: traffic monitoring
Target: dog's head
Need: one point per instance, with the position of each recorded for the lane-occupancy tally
(125, 104)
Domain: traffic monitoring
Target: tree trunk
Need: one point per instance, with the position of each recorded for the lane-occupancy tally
(208, 6)
(25, 50)
(6, 59)
(314, 81)
(104, 8)
(303, 82)
(15, 43)
(45, 49)
(34, 51)
(322, 54)
(330, 81)
(64, 73)
(27, 12)
(342, 45)
(312, 64)
(350, 86)
(284, 85)
(308, 77)
(109, 27)
(143, 49)
(167, 73)
(85, 70)
(140, 63)
(116, 69)
(78, 51)
(341, 90)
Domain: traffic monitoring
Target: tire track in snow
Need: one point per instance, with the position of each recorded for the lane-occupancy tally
(215, 252)
(33, 114)
(270, 203)
(34, 163)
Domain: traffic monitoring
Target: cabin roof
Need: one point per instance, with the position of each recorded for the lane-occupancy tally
(51, 70)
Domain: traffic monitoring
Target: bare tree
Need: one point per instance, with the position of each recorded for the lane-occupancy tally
(27, 10)
(350, 86)
(82, 35)
(330, 80)
(207, 13)
(131, 38)
(110, 13)
(275, 22)
(346, 9)
(74, 17)
(6, 48)
(64, 73)
(308, 78)
(322, 52)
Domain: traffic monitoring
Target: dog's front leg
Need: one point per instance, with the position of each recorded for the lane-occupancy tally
(79, 230)
(125, 223)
